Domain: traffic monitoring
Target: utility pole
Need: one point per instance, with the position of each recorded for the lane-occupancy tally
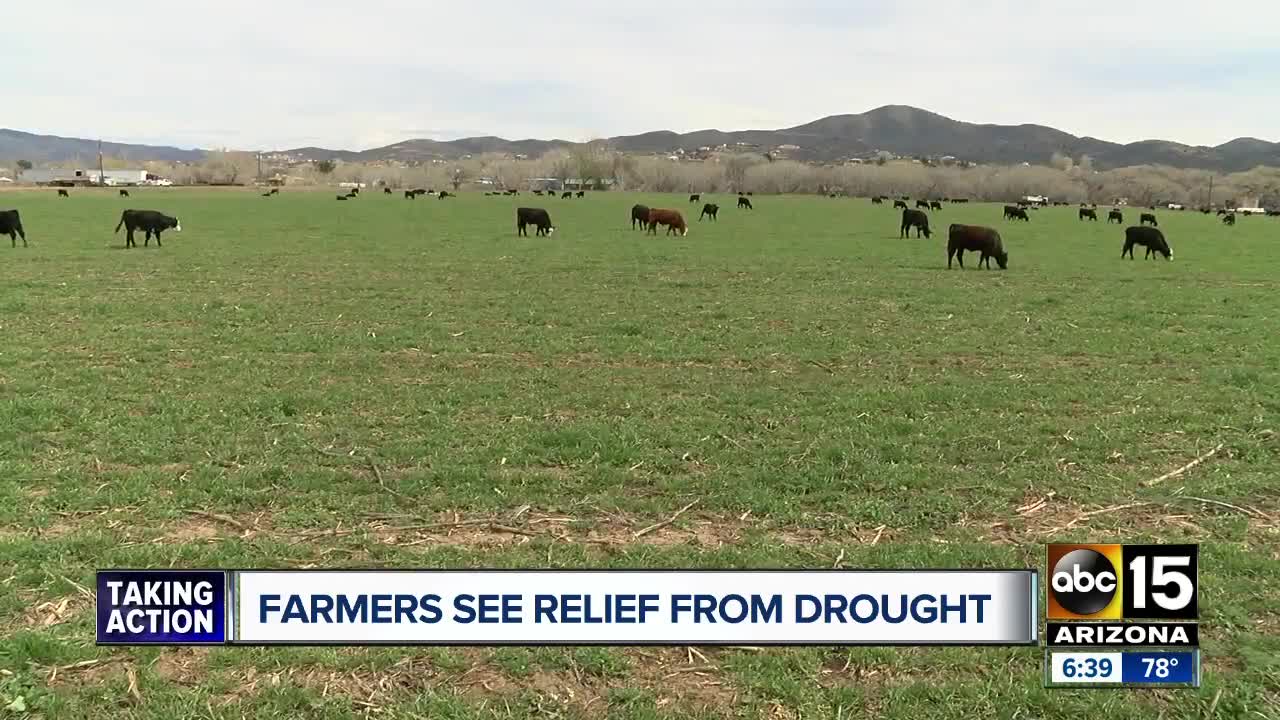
(1209, 202)
(102, 175)
(259, 166)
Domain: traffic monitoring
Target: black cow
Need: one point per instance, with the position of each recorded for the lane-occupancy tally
(445, 194)
(1009, 210)
(876, 200)
(922, 204)
(696, 197)
(342, 197)
(533, 216)
(1273, 213)
(63, 193)
(1017, 214)
(538, 193)
(410, 195)
(354, 191)
(124, 193)
(978, 239)
(745, 203)
(386, 191)
(513, 193)
(1148, 218)
(1116, 216)
(566, 194)
(150, 222)
(1229, 219)
(1205, 210)
(960, 200)
(266, 194)
(639, 214)
(582, 193)
(899, 204)
(11, 225)
(750, 194)
(914, 219)
(274, 191)
(935, 205)
(1150, 238)
(1087, 214)
(709, 210)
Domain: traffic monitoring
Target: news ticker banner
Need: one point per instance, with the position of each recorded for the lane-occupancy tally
(1122, 616)
(567, 607)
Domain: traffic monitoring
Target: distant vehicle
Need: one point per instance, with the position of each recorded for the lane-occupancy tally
(1175, 206)
(1035, 199)
(162, 182)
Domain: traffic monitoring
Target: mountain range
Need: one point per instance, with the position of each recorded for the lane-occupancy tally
(897, 129)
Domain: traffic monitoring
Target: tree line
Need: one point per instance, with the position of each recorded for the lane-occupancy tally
(1062, 178)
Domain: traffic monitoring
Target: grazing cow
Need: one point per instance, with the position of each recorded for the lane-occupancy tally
(709, 210)
(1229, 219)
(1205, 210)
(354, 191)
(905, 198)
(935, 205)
(960, 200)
(978, 239)
(696, 197)
(1150, 238)
(342, 197)
(914, 219)
(11, 225)
(671, 218)
(745, 203)
(1115, 216)
(876, 200)
(410, 195)
(513, 193)
(386, 191)
(266, 194)
(1273, 213)
(445, 194)
(1016, 214)
(150, 222)
(533, 216)
(565, 195)
(1087, 214)
(639, 214)
(922, 204)
(124, 193)
(582, 193)
(353, 194)
(1148, 218)
(750, 194)
(899, 204)
(538, 193)
(1009, 210)
(64, 193)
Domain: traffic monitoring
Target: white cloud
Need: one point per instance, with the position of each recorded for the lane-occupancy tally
(285, 73)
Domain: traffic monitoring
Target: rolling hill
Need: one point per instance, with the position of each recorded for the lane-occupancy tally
(898, 129)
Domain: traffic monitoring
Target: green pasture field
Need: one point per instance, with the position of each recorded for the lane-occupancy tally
(298, 382)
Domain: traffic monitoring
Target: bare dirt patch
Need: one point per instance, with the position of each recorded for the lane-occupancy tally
(705, 530)
(1047, 515)
(183, 666)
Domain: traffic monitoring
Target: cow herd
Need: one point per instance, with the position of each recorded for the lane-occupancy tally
(987, 241)
(960, 238)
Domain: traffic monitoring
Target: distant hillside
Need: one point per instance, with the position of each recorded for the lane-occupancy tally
(897, 129)
(17, 145)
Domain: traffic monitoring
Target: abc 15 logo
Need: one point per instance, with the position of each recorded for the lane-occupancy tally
(1113, 582)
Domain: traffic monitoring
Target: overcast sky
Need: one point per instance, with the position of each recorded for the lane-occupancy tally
(355, 74)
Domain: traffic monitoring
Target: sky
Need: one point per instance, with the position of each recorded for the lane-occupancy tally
(358, 74)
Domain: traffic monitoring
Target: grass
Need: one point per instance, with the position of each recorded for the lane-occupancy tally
(329, 375)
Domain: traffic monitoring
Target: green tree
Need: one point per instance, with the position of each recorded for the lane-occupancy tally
(324, 167)
(24, 165)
